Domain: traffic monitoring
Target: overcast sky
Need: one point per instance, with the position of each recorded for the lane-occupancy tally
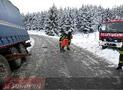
(26, 6)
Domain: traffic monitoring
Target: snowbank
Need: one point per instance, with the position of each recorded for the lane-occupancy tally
(36, 32)
(89, 42)
(40, 33)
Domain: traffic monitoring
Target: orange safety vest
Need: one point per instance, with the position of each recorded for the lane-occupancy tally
(64, 42)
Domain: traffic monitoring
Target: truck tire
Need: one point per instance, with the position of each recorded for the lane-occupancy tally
(23, 50)
(104, 47)
(5, 71)
(15, 64)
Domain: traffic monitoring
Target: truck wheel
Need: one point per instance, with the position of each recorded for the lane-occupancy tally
(23, 50)
(5, 71)
(15, 63)
(104, 47)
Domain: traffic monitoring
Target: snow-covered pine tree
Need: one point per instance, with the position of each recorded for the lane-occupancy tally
(67, 24)
(118, 12)
(90, 19)
(31, 21)
(78, 20)
(36, 21)
(73, 15)
(42, 20)
(81, 19)
(96, 16)
(51, 26)
(107, 15)
(61, 19)
(85, 20)
(27, 21)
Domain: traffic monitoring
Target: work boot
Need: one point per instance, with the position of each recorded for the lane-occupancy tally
(68, 48)
(62, 50)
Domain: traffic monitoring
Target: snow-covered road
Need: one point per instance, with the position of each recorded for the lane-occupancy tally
(68, 67)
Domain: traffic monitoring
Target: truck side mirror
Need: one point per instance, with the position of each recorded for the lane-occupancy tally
(99, 27)
(103, 28)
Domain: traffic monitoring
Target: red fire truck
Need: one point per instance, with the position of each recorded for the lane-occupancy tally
(111, 34)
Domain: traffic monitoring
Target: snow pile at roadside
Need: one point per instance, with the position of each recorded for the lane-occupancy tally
(40, 33)
(36, 32)
(90, 42)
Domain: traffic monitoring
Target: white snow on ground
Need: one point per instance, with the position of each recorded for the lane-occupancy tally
(40, 33)
(89, 42)
(35, 32)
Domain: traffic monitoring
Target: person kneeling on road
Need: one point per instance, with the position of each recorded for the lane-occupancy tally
(65, 41)
(62, 37)
(69, 36)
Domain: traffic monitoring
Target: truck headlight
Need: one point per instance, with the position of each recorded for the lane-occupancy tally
(115, 40)
(105, 40)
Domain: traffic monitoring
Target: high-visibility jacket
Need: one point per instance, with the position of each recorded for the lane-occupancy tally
(64, 42)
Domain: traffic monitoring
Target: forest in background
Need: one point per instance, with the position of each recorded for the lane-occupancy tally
(85, 19)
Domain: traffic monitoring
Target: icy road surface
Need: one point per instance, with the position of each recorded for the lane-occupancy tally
(74, 69)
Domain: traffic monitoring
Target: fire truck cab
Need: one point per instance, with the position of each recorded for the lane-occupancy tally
(111, 34)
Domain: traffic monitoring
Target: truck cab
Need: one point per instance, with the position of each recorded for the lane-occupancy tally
(111, 34)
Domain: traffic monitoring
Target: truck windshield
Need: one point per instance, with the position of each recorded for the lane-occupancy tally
(113, 27)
